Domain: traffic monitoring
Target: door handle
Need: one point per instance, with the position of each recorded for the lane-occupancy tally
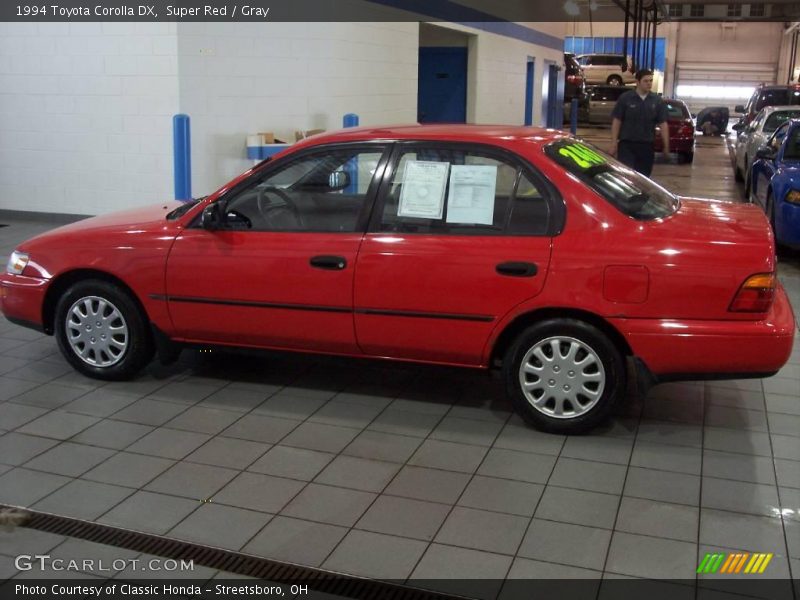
(331, 263)
(517, 269)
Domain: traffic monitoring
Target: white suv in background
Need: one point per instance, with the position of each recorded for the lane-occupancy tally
(601, 69)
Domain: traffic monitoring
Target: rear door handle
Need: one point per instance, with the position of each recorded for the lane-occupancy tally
(517, 269)
(331, 263)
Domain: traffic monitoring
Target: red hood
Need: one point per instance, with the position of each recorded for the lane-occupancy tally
(138, 220)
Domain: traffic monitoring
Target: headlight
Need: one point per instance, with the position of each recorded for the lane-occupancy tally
(17, 262)
(793, 197)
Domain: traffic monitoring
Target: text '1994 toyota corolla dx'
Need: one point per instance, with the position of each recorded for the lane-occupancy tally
(460, 245)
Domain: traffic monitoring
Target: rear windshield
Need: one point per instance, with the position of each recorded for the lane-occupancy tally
(777, 97)
(777, 119)
(677, 110)
(629, 192)
(609, 93)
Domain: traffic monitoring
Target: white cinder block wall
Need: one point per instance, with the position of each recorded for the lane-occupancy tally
(86, 109)
(85, 113)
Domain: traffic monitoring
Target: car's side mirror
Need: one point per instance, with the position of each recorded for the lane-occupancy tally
(765, 152)
(739, 108)
(212, 218)
(738, 126)
(338, 180)
(694, 115)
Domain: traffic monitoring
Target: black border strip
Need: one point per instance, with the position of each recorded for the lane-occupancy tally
(335, 309)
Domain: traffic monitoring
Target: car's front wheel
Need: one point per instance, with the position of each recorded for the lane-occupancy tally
(564, 375)
(101, 331)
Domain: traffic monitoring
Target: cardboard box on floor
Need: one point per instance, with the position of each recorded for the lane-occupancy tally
(301, 135)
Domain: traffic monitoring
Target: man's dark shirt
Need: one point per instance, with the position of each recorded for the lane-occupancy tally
(639, 117)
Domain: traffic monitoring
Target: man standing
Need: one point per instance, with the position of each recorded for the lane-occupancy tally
(635, 117)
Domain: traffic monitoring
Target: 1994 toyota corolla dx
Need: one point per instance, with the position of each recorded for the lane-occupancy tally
(460, 245)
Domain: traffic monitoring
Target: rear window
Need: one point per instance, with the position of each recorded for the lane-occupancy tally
(611, 93)
(630, 192)
(677, 110)
(777, 119)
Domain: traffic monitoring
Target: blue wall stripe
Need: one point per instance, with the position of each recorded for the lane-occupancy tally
(446, 10)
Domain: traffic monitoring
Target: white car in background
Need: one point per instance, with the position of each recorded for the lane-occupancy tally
(607, 69)
(756, 135)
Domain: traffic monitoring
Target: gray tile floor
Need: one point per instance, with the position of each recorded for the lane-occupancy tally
(398, 471)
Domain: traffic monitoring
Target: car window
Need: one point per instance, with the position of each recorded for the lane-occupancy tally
(776, 119)
(791, 151)
(677, 110)
(630, 192)
(462, 192)
(324, 191)
(759, 120)
(777, 96)
(777, 138)
(608, 94)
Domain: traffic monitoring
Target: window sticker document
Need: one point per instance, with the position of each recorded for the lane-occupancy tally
(472, 193)
(424, 184)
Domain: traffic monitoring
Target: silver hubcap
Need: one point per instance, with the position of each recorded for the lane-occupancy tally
(96, 331)
(562, 377)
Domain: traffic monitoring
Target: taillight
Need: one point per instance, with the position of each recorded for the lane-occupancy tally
(574, 78)
(755, 295)
(686, 129)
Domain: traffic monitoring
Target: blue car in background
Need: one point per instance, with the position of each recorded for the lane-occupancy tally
(775, 182)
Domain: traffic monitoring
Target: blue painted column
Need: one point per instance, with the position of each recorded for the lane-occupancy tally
(351, 120)
(182, 157)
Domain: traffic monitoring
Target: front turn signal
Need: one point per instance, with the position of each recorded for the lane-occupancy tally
(755, 295)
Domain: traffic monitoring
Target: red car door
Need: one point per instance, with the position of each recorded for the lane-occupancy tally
(460, 235)
(278, 271)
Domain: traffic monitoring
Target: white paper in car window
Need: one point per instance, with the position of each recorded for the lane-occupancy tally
(472, 194)
(424, 184)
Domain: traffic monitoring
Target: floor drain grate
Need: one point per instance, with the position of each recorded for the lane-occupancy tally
(224, 560)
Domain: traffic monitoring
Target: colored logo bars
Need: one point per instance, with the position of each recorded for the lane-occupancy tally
(735, 563)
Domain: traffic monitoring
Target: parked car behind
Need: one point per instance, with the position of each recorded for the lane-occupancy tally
(766, 95)
(681, 131)
(471, 246)
(574, 80)
(607, 69)
(775, 177)
(755, 135)
(602, 99)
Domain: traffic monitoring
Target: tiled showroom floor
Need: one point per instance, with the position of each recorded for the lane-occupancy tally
(397, 471)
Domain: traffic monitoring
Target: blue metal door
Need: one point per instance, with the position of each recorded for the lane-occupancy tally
(555, 96)
(442, 96)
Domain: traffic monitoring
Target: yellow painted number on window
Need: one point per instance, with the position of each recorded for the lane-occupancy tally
(582, 156)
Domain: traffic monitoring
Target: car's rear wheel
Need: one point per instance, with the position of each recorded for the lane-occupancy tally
(614, 80)
(101, 331)
(737, 174)
(564, 375)
(686, 157)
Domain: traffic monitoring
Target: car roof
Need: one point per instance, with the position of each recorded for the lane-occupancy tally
(442, 132)
(772, 109)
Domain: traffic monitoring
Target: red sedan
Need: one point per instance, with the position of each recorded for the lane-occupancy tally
(681, 131)
(475, 246)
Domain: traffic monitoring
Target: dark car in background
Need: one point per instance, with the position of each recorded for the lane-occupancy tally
(681, 131)
(574, 79)
(766, 95)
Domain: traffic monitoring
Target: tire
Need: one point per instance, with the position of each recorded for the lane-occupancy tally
(128, 345)
(552, 348)
(737, 174)
(614, 80)
(747, 184)
(686, 157)
(769, 208)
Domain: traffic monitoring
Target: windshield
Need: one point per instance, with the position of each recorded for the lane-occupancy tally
(629, 192)
(777, 119)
